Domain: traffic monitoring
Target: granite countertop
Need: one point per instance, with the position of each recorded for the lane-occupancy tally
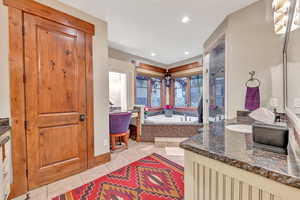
(4, 126)
(237, 149)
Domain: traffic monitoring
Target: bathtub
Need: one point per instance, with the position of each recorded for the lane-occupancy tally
(175, 127)
(175, 119)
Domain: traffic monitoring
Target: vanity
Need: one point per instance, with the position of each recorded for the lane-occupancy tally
(5, 159)
(221, 164)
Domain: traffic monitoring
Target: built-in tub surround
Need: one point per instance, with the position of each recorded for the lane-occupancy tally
(175, 130)
(175, 119)
(237, 150)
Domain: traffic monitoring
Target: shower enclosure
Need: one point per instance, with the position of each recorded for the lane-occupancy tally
(216, 83)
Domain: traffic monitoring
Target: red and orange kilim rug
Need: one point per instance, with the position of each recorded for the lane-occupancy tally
(151, 178)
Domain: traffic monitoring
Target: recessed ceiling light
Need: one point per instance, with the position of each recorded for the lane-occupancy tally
(185, 19)
(186, 53)
(153, 54)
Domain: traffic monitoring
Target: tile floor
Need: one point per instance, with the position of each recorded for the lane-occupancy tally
(118, 160)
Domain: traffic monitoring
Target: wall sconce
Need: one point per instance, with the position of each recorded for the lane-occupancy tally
(281, 15)
(168, 78)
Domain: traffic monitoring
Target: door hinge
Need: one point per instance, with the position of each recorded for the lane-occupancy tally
(25, 124)
(206, 71)
(24, 78)
(26, 172)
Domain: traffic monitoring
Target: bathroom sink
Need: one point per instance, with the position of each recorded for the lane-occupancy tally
(242, 128)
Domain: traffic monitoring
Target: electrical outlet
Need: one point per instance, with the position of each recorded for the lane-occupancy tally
(297, 103)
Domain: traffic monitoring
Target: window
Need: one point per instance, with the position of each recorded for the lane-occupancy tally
(188, 91)
(142, 90)
(180, 92)
(148, 91)
(155, 94)
(196, 90)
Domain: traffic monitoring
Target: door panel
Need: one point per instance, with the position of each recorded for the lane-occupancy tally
(55, 99)
(50, 138)
(59, 66)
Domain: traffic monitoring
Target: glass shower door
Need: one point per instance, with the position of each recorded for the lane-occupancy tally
(216, 100)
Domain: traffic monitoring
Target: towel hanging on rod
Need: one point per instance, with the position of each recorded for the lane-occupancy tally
(252, 79)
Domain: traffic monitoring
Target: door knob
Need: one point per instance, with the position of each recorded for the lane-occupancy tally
(82, 117)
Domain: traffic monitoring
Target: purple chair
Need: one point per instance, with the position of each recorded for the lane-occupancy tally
(119, 128)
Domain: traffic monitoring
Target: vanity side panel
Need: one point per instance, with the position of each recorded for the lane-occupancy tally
(230, 182)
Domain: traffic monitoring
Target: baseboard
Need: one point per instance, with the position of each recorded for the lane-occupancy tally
(99, 160)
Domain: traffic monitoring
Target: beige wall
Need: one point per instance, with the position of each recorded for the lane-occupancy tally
(4, 73)
(123, 56)
(100, 59)
(251, 44)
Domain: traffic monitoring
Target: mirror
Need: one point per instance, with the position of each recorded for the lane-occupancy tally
(292, 64)
(251, 61)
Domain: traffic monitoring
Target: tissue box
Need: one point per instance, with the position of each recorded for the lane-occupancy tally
(273, 138)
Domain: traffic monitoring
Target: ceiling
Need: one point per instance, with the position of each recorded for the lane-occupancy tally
(143, 27)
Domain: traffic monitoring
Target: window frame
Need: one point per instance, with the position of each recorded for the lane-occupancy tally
(188, 91)
(149, 91)
(135, 88)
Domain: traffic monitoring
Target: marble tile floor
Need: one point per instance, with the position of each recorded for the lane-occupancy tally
(118, 160)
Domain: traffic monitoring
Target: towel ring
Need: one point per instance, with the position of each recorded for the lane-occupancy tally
(253, 80)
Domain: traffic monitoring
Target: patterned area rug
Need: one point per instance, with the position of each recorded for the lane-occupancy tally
(151, 178)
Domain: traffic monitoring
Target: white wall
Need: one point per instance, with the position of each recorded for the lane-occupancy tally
(293, 71)
(251, 44)
(100, 59)
(4, 69)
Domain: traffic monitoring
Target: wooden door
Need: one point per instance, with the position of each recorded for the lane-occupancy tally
(55, 92)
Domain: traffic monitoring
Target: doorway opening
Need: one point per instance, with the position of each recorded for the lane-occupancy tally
(118, 91)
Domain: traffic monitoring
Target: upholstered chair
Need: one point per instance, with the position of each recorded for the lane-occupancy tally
(119, 128)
